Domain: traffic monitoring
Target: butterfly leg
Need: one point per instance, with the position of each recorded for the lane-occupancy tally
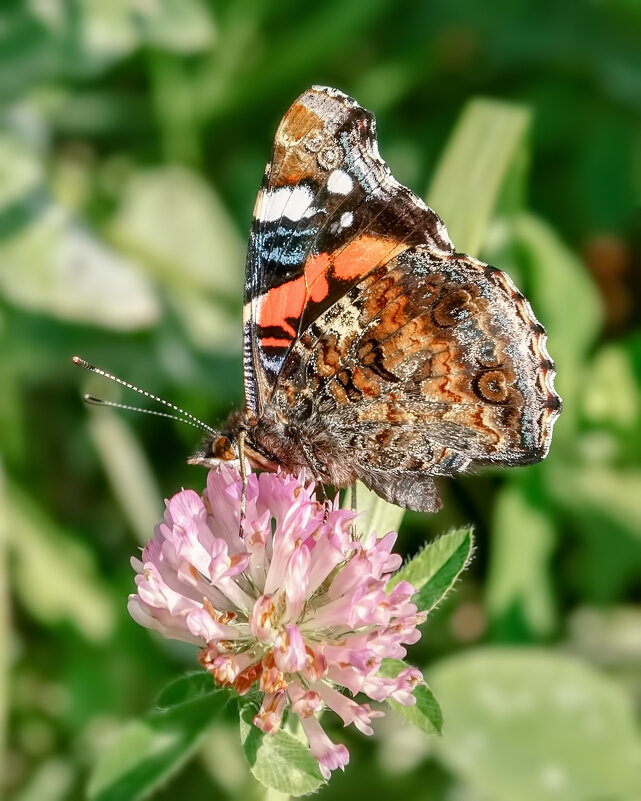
(317, 470)
(316, 467)
(243, 475)
(354, 505)
(321, 492)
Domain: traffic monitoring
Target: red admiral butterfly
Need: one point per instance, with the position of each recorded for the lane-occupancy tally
(373, 351)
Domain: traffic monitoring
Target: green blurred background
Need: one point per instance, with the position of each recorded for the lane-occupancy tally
(133, 136)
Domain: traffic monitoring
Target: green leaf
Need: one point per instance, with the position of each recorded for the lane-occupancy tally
(434, 570)
(40, 550)
(375, 513)
(148, 751)
(181, 26)
(128, 470)
(553, 275)
(533, 725)
(162, 209)
(50, 262)
(612, 366)
(279, 761)
(522, 540)
(186, 688)
(470, 173)
(57, 266)
(607, 494)
(22, 176)
(110, 31)
(426, 714)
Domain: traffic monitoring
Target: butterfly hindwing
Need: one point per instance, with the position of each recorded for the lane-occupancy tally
(428, 366)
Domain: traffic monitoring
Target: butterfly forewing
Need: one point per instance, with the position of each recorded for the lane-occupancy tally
(327, 213)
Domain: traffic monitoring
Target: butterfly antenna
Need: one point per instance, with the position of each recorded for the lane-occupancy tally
(182, 416)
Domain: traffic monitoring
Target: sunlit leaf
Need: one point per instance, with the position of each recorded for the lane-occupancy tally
(52, 778)
(426, 714)
(173, 220)
(470, 173)
(612, 367)
(279, 761)
(608, 636)
(522, 540)
(181, 26)
(146, 752)
(163, 209)
(609, 494)
(536, 726)
(112, 30)
(58, 267)
(433, 571)
(22, 175)
(375, 514)
(209, 324)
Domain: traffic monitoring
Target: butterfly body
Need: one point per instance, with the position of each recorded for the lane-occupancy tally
(372, 349)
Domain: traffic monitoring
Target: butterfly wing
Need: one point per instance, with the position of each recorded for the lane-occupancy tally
(328, 212)
(429, 366)
(372, 349)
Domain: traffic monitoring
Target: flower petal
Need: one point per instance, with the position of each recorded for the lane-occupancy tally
(329, 755)
(289, 650)
(269, 716)
(296, 581)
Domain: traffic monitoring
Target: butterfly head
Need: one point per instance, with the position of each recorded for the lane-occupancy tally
(215, 450)
(220, 447)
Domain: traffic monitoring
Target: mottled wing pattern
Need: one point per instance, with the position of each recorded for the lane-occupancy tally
(373, 350)
(429, 365)
(327, 214)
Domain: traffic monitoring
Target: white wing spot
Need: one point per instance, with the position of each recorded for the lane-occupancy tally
(293, 203)
(339, 183)
(347, 219)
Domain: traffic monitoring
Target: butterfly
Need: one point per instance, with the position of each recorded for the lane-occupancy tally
(372, 350)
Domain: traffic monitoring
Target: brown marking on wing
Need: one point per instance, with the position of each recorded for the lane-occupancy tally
(449, 309)
(365, 382)
(331, 353)
(477, 417)
(292, 163)
(493, 386)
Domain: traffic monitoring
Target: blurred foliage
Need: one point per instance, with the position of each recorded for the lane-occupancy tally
(133, 136)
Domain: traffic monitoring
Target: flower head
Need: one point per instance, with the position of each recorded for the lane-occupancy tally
(289, 603)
